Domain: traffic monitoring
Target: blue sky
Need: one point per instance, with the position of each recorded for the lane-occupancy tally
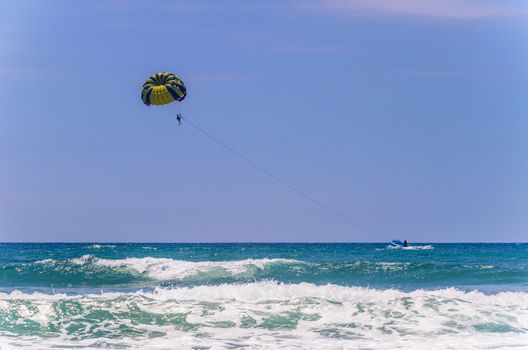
(407, 116)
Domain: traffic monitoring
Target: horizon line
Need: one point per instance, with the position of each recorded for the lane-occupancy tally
(241, 242)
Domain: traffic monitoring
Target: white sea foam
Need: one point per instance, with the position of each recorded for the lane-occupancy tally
(45, 261)
(267, 315)
(411, 247)
(101, 246)
(391, 266)
(164, 269)
(418, 247)
(486, 267)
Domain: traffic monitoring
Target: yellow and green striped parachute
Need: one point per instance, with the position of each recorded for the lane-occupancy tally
(163, 88)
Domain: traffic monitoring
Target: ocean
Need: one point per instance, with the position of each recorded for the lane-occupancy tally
(263, 296)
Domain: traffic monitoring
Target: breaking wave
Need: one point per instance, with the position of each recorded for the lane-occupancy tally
(264, 315)
(89, 270)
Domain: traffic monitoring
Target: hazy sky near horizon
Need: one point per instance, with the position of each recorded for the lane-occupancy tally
(410, 117)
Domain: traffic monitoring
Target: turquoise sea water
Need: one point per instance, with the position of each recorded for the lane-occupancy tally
(223, 296)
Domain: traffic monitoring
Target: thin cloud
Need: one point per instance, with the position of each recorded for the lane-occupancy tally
(153, 5)
(447, 9)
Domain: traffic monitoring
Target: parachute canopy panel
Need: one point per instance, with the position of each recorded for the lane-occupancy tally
(163, 88)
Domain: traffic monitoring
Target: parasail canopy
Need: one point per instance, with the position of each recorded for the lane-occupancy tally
(163, 88)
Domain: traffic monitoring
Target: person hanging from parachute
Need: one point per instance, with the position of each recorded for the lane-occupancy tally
(164, 88)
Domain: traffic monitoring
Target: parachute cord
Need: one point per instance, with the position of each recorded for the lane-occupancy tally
(284, 183)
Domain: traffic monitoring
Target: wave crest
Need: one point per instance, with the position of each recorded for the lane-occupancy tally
(165, 269)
